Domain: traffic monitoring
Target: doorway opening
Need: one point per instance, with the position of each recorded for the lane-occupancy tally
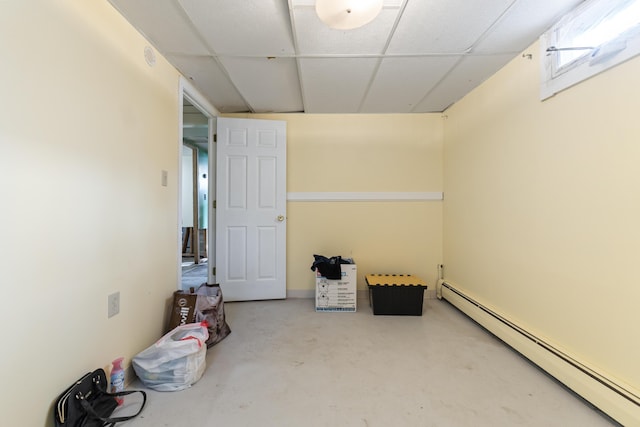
(197, 190)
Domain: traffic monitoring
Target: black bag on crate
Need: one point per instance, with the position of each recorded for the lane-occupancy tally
(329, 267)
(86, 403)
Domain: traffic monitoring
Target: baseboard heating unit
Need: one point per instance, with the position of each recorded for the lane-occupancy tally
(614, 399)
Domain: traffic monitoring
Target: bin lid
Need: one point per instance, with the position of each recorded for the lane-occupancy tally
(394, 280)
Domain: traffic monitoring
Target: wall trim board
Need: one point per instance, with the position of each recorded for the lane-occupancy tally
(363, 196)
(620, 404)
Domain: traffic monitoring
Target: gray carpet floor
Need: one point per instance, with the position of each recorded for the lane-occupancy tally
(194, 275)
(285, 365)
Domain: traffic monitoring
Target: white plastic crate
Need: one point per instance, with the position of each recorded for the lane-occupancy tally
(337, 295)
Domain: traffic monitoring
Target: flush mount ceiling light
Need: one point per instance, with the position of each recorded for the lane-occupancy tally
(347, 14)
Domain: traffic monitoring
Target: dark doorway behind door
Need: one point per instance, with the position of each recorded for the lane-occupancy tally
(195, 186)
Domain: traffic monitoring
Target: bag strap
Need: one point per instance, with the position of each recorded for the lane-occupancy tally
(111, 421)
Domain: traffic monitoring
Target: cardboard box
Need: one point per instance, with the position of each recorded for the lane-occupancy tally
(183, 309)
(337, 295)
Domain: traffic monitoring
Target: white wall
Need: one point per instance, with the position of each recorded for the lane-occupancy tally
(363, 153)
(187, 187)
(86, 127)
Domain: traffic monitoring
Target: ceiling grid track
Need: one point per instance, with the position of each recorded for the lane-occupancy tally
(384, 52)
(278, 56)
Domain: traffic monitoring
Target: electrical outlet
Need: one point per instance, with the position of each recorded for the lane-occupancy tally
(114, 304)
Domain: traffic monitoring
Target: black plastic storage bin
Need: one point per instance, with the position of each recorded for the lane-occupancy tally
(395, 294)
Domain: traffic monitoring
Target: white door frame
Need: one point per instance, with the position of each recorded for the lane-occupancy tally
(187, 90)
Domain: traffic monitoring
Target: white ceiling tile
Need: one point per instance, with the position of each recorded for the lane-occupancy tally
(163, 23)
(467, 74)
(523, 24)
(243, 27)
(333, 85)
(225, 45)
(444, 26)
(268, 85)
(207, 76)
(401, 83)
(314, 37)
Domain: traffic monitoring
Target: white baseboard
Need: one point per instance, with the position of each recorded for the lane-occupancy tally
(620, 404)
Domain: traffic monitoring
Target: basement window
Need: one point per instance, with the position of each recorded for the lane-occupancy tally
(592, 38)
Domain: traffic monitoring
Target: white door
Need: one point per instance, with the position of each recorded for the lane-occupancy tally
(251, 209)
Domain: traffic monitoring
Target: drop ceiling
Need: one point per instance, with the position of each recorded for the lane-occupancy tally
(262, 56)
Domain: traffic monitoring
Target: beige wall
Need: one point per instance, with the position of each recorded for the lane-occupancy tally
(542, 208)
(363, 153)
(86, 126)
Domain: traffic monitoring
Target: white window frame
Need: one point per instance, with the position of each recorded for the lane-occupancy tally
(555, 79)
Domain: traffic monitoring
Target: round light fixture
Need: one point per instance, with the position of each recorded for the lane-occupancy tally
(347, 14)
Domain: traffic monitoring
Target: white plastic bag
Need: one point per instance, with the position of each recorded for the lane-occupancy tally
(175, 361)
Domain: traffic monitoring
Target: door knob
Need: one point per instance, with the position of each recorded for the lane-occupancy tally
(280, 218)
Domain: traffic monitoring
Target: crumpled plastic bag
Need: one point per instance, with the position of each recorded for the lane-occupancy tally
(175, 361)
